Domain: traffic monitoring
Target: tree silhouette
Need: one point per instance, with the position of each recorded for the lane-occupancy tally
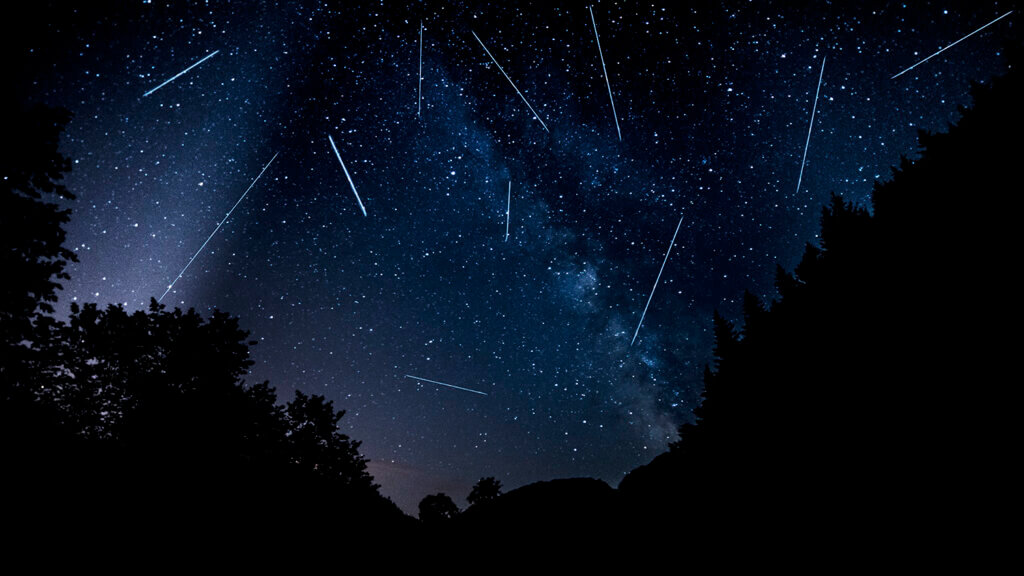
(485, 490)
(143, 418)
(33, 259)
(874, 387)
(155, 420)
(31, 228)
(316, 446)
(437, 509)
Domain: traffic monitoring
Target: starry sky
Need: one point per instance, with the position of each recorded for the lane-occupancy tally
(713, 99)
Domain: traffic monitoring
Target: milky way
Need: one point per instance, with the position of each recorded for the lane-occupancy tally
(713, 101)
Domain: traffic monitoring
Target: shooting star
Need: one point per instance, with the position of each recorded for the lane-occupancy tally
(419, 99)
(448, 385)
(658, 279)
(175, 77)
(535, 115)
(811, 127)
(361, 207)
(951, 45)
(508, 211)
(607, 81)
(226, 216)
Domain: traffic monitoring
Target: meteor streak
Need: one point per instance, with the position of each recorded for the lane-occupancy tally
(951, 45)
(607, 81)
(656, 281)
(535, 115)
(448, 385)
(217, 228)
(508, 211)
(175, 77)
(811, 127)
(346, 175)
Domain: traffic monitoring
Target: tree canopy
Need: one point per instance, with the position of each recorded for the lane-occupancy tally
(144, 414)
(874, 385)
(485, 490)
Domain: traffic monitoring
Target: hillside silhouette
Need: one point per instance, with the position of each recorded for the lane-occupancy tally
(875, 391)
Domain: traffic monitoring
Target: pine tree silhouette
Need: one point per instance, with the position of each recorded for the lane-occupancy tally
(873, 390)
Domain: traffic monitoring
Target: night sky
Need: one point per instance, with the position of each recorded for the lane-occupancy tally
(713, 100)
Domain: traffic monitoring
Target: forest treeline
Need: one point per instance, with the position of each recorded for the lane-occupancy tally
(876, 389)
(142, 421)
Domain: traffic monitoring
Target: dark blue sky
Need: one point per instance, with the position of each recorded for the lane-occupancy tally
(713, 100)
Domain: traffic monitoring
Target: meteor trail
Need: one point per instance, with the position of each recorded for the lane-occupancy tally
(448, 385)
(419, 99)
(175, 77)
(951, 45)
(607, 81)
(535, 115)
(656, 281)
(508, 211)
(346, 175)
(811, 127)
(217, 228)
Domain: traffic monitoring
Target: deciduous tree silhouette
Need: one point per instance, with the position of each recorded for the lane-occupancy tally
(31, 223)
(33, 260)
(316, 446)
(437, 509)
(143, 419)
(485, 490)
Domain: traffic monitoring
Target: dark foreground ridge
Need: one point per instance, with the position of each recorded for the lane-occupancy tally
(868, 407)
